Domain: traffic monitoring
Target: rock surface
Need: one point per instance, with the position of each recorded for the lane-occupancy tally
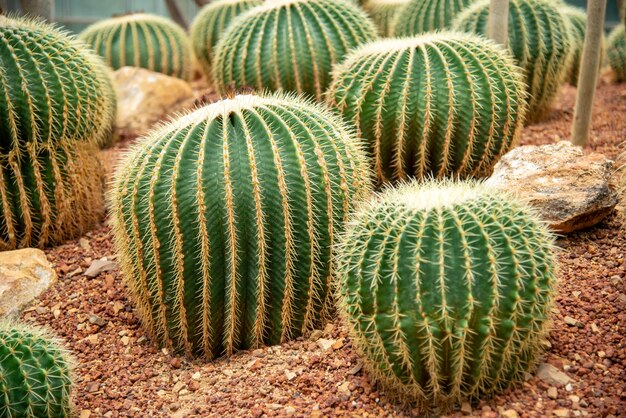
(551, 375)
(145, 97)
(24, 275)
(570, 191)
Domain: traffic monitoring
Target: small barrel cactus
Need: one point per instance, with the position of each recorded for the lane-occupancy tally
(209, 25)
(539, 41)
(421, 16)
(384, 13)
(142, 40)
(616, 52)
(446, 288)
(225, 221)
(289, 45)
(35, 374)
(437, 105)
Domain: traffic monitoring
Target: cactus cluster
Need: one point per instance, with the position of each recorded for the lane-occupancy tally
(421, 16)
(226, 218)
(539, 41)
(616, 52)
(384, 13)
(577, 21)
(209, 25)
(437, 105)
(289, 45)
(447, 289)
(56, 104)
(35, 374)
(142, 40)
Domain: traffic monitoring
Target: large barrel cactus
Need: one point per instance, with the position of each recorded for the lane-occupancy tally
(421, 16)
(209, 25)
(539, 41)
(384, 13)
(142, 40)
(225, 222)
(56, 104)
(616, 52)
(35, 374)
(446, 104)
(446, 289)
(289, 45)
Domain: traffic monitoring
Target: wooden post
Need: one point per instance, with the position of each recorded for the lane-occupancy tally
(499, 21)
(589, 67)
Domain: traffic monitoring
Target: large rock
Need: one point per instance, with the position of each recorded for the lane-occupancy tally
(24, 275)
(570, 190)
(145, 98)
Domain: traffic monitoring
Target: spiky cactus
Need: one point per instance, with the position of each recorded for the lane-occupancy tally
(446, 289)
(225, 221)
(539, 41)
(446, 104)
(289, 45)
(142, 40)
(384, 13)
(421, 16)
(35, 374)
(209, 25)
(577, 22)
(616, 52)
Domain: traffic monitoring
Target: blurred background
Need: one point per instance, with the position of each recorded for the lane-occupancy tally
(75, 15)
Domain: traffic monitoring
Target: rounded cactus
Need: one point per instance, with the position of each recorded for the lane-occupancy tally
(421, 16)
(289, 45)
(209, 25)
(384, 13)
(616, 52)
(577, 20)
(142, 40)
(446, 289)
(539, 41)
(35, 374)
(437, 105)
(225, 221)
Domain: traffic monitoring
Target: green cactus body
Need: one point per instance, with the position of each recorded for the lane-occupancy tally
(421, 16)
(226, 218)
(142, 40)
(384, 13)
(577, 19)
(447, 289)
(616, 52)
(539, 41)
(438, 105)
(209, 25)
(289, 45)
(35, 374)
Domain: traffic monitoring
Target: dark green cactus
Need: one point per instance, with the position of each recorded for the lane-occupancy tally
(539, 41)
(384, 13)
(35, 374)
(289, 45)
(447, 289)
(209, 25)
(225, 221)
(142, 40)
(446, 104)
(421, 16)
(616, 52)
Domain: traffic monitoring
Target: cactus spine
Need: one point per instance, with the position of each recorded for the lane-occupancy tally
(616, 52)
(56, 104)
(421, 16)
(446, 104)
(289, 45)
(35, 374)
(446, 288)
(225, 221)
(142, 40)
(209, 25)
(539, 41)
(384, 13)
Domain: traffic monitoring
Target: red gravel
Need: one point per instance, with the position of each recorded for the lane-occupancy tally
(121, 373)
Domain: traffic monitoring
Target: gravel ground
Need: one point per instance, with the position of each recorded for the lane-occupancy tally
(122, 373)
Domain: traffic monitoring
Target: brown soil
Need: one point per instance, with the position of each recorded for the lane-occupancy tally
(122, 373)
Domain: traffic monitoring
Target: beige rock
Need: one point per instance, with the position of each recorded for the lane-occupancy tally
(24, 275)
(551, 375)
(570, 191)
(145, 97)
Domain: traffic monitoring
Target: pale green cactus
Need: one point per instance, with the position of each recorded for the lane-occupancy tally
(616, 52)
(384, 13)
(421, 16)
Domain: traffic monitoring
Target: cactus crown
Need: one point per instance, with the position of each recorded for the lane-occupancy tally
(289, 45)
(446, 288)
(616, 52)
(142, 40)
(421, 16)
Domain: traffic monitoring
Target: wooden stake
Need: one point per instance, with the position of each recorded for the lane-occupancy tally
(499, 21)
